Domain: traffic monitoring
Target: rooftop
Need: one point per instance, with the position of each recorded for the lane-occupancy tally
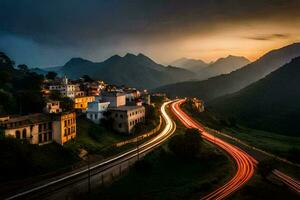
(126, 108)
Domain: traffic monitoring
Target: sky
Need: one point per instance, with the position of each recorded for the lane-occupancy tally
(50, 32)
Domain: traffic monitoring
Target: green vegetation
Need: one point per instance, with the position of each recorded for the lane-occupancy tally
(20, 89)
(270, 104)
(51, 75)
(164, 175)
(151, 120)
(265, 168)
(281, 145)
(19, 159)
(259, 188)
(94, 138)
(186, 146)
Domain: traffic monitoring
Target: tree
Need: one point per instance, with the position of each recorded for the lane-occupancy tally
(55, 95)
(51, 75)
(186, 146)
(67, 104)
(265, 167)
(87, 78)
(23, 68)
(5, 61)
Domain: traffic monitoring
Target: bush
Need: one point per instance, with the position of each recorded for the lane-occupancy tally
(265, 167)
(143, 166)
(293, 155)
(186, 146)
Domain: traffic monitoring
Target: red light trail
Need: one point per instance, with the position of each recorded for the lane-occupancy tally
(245, 163)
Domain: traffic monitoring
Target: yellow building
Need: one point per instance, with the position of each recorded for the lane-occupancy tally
(65, 124)
(81, 103)
(42, 128)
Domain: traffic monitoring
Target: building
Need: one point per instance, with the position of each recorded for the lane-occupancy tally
(42, 128)
(96, 110)
(126, 117)
(64, 127)
(67, 89)
(94, 88)
(116, 99)
(146, 99)
(81, 103)
(4, 118)
(52, 107)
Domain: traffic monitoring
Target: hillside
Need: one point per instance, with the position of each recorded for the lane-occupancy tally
(270, 104)
(19, 88)
(132, 70)
(236, 80)
(223, 66)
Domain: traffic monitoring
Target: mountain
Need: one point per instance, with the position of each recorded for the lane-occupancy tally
(190, 64)
(39, 71)
(236, 80)
(132, 70)
(223, 66)
(271, 103)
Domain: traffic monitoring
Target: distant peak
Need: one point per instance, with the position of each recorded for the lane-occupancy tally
(142, 55)
(76, 60)
(128, 55)
(115, 57)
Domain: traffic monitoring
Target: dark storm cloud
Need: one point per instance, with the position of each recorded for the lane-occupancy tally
(268, 37)
(78, 22)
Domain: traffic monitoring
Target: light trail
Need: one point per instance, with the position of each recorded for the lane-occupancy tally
(169, 129)
(244, 162)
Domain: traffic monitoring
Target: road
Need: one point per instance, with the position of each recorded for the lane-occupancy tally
(244, 162)
(58, 188)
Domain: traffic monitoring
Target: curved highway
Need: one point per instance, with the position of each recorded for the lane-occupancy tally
(244, 163)
(50, 189)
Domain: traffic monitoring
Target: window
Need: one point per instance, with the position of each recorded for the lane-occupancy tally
(40, 127)
(65, 132)
(45, 126)
(50, 136)
(50, 125)
(24, 133)
(18, 134)
(69, 131)
(120, 125)
(121, 116)
(40, 138)
(65, 123)
(45, 137)
(116, 115)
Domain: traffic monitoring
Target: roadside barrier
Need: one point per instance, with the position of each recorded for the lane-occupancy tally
(140, 137)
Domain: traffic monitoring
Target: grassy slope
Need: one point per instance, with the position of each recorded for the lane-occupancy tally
(260, 189)
(164, 176)
(256, 188)
(21, 160)
(271, 142)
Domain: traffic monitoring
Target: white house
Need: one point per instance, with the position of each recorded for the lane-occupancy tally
(66, 89)
(95, 110)
(116, 99)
